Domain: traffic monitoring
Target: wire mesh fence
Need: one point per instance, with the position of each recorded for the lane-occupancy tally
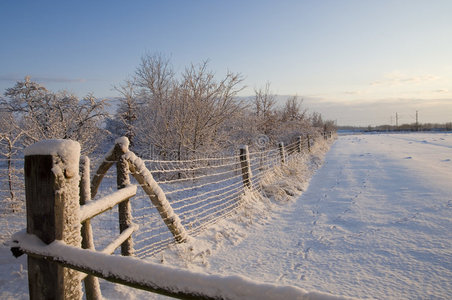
(201, 192)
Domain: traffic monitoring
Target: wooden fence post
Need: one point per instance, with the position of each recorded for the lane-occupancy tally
(300, 144)
(309, 142)
(246, 167)
(92, 287)
(282, 152)
(124, 208)
(52, 201)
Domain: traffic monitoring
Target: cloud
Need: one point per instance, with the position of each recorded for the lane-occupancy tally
(441, 91)
(42, 79)
(353, 92)
(399, 78)
(59, 79)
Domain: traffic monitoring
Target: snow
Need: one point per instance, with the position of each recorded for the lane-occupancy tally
(67, 150)
(150, 186)
(121, 238)
(123, 142)
(93, 208)
(373, 222)
(155, 275)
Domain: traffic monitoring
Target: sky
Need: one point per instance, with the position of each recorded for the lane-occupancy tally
(356, 62)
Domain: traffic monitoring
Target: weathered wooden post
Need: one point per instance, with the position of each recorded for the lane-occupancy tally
(52, 201)
(124, 208)
(92, 287)
(282, 152)
(246, 166)
(309, 142)
(300, 144)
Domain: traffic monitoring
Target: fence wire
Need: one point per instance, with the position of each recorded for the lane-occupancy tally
(201, 192)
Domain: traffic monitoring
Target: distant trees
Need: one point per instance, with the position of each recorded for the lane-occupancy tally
(30, 112)
(127, 112)
(179, 116)
(403, 127)
(264, 107)
(292, 110)
(182, 115)
(37, 114)
(282, 123)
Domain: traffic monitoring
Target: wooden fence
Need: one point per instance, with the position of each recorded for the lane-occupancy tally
(60, 206)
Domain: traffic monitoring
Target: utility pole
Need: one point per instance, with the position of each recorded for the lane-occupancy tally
(417, 121)
(396, 120)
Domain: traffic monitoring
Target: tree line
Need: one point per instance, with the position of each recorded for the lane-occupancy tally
(165, 114)
(403, 127)
(191, 113)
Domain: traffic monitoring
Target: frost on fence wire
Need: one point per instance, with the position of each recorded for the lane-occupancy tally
(200, 191)
(12, 186)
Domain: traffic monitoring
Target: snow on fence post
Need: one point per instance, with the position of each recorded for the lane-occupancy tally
(309, 142)
(245, 165)
(282, 152)
(124, 208)
(52, 202)
(92, 287)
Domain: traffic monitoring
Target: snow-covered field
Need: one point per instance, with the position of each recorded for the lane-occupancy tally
(374, 222)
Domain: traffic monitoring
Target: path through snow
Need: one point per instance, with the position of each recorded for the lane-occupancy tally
(375, 222)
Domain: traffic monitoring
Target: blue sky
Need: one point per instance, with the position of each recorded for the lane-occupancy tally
(357, 62)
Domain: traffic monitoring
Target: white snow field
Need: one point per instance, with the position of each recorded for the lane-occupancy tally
(375, 221)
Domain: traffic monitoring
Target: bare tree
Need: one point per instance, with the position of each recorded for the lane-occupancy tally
(41, 114)
(183, 116)
(210, 103)
(264, 101)
(264, 104)
(316, 120)
(292, 110)
(156, 87)
(155, 76)
(10, 137)
(127, 112)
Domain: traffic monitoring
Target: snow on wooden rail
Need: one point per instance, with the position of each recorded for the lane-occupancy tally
(93, 208)
(160, 279)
